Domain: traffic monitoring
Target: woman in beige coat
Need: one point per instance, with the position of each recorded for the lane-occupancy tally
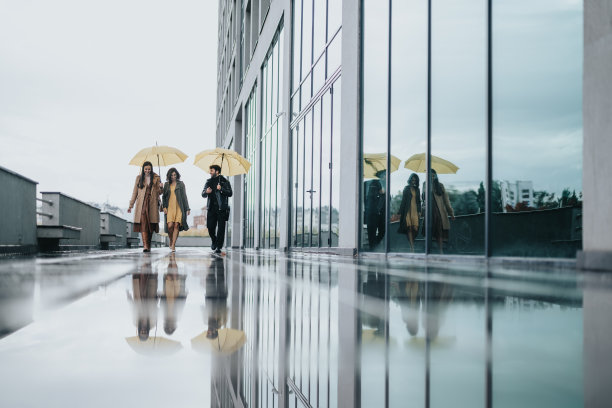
(441, 210)
(145, 200)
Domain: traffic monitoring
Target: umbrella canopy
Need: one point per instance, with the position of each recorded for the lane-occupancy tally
(417, 162)
(231, 163)
(153, 346)
(375, 162)
(227, 342)
(159, 155)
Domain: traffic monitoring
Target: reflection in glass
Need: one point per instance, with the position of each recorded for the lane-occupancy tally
(375, 132)
(458, 125)
(408, 121)
(272, 120)
(537, 133)
(251, 177)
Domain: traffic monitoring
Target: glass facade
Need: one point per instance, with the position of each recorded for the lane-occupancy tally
(430, 99)
(315, 123)
(250, 180)
(272, 119)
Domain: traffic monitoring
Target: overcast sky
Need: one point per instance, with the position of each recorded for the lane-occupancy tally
(86, 84)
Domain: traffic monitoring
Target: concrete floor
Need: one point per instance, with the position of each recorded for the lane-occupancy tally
(298, 330)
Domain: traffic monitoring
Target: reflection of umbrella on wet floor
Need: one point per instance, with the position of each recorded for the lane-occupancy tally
(159, 346)
(375, 162)
(417, 162)
(227, 342)
(374, 336)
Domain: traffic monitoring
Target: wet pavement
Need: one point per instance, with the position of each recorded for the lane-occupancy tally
(124, 328)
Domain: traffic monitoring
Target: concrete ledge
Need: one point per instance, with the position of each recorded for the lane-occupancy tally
(108, 238)
(594, 260)
(57, 232)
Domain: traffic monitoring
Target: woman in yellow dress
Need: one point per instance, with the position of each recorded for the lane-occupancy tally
(175, 205)
(410, 209)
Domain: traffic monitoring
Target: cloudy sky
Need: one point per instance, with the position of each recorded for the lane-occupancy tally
(86, 84)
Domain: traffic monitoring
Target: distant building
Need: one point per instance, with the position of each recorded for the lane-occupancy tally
(517, 192)
(199, 221)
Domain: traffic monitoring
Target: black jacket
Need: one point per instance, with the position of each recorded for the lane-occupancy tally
(220, 196)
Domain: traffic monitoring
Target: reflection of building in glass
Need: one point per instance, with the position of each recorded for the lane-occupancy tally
(307, 89)
(199, 221)
(517, 192)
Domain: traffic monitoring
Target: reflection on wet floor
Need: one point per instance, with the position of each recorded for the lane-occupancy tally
(267, 330)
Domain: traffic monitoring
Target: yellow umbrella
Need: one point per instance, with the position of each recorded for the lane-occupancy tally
(231, 163)
(417, 162)
(160, 155)
(160, 346)
(227, 342)
(375, 162)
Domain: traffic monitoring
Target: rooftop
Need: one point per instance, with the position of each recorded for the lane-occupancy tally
(122, 328)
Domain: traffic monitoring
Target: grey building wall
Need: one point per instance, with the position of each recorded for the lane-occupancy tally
(597, 142)
(111, 224)
(74, 213)
(18, 204)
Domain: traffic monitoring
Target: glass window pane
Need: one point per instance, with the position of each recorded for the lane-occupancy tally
(408, 124)
(375, 94)
(458, 130)
(537, 128)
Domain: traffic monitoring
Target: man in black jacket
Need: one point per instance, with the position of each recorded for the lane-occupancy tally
(217, 189)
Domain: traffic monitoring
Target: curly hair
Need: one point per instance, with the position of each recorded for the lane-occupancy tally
(169, 174)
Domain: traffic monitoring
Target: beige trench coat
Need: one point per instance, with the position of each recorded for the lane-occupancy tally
(138, 196)
(445, 208)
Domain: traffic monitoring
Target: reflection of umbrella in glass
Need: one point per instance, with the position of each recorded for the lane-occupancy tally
(417, 162)
(375, 162)
(159, 346)
(227, 342)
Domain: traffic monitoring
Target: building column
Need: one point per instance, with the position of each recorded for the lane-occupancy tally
(238, 191)
(285, 149)
(350, 138)
(597, 140)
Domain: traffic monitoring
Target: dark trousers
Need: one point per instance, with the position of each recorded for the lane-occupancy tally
(376, 228)
(216, 229)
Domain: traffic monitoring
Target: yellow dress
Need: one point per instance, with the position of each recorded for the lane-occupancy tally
(412, 216)
(174, 212)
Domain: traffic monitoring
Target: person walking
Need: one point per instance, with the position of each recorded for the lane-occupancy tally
(145, 200)
(217, 190)
(374, 208)
(441, 209)
(410, 209)
(175, 205)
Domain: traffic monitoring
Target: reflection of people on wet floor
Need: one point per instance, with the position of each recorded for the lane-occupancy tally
(215, 298)
(374, 208)
(373, 318)
(441, 209)
(408, 295)
(144, 302)
(438, 298)
(410, 209)
(173, 296)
